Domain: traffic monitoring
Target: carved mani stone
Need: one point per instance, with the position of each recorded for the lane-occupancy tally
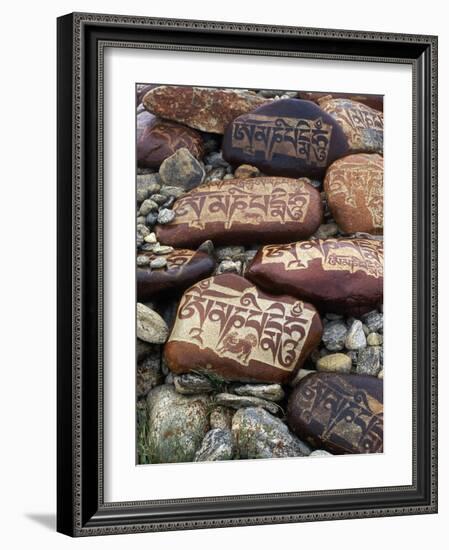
(374, 101)
(289, 137)
(336, 275)
(363, 126)
(354, 188)
(206, 109)
(230, 328)
(272, 210)
(182, 269)
(341, 413)
(158, 139)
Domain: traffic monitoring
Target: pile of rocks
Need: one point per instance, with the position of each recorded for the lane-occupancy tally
(259, 274)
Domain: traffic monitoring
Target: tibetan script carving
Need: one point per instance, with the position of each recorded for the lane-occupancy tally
(335, 254)
(242, 325)
(300, 138)
(341, 413)
(245, 201)
(355, 189)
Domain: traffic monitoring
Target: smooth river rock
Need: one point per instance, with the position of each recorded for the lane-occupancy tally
(158, 139)
(182, 269)
(272, 210)
(337, 275)
(150, 327)
(177, 425)
(258, 434)
(271, 392)
(230, 328)
(354, 189)
(241, 401)
(289, 137)
(362, 125)
(341, 413)
(217, 445)
(206, 109)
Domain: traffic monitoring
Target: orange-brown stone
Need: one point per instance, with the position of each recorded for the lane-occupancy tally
(206, 109)
(227, 326)
(336, 275)
(246, 211)
(354, 188)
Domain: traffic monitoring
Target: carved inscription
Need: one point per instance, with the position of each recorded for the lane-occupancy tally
(362, 125)
(242, 326)
(360, 184)
(308, 140)
(244, 202)
(335, 254)
(341, 414)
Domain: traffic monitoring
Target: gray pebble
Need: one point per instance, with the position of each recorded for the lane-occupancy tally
(192, 383)
(374, 321)
(217, 445)
(369, 361)
(229, 266)
(334, 335)
(165, 216)
(271, 392)
(158, 263)
(355, 339)
(239, 401)
(147, 206)
(143, 260)
(151, 218)
(158, 198)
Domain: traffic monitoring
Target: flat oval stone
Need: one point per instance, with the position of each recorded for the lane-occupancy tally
(288, 137)
(373, 101)
(206, 109)
(337, 275)
(362, 125)
(159, 139)
(341, 413)
(272, 210)
(183, 268)
(354, 189)
(230, 328)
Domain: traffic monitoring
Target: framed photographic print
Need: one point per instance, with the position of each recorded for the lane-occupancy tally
(246, 274)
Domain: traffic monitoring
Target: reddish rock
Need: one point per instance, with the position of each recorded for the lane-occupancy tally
(341, 413)
(142, 89)
(336, 275)
(230, 328)
(373, 101)
(206, 109)
(158, 139)
(183, 269)
(354, 188)
(269, 210)
(362, 125)
(288, 137)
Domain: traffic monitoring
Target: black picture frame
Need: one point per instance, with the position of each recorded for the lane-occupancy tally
(81, 509)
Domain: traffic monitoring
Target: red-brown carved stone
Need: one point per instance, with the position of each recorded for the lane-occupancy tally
(362, 125)
(228, 327)
(341, 413)
(373, 101)
(354, 188)
(183, 269)
(288, 137)
(158, 139)
(269, 210)
(206, 109)
(336, 275)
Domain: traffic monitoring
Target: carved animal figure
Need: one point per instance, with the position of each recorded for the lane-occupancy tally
(241, 347)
